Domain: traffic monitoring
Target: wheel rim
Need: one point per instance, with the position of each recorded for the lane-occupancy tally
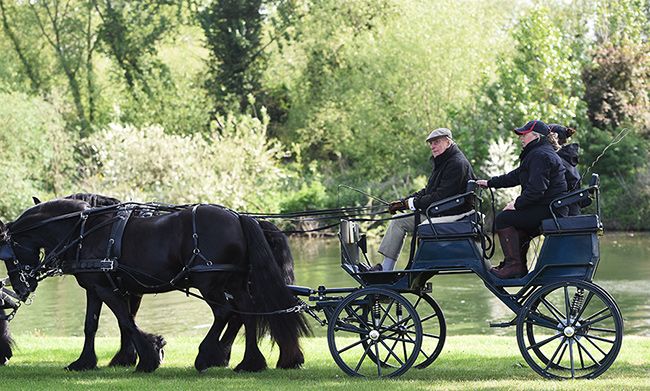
(373, 323)
(570, 330)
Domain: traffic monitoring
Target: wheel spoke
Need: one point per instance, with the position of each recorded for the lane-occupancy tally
(390, 352)
(567, 305)
(582, 326)
(588, 354)
(559, 359)
(353, 345)
(602, 329)
(540, 320)
(583, 308)
(377, 356)
(362, 322)
(552, 309)
(350, 329)
(597, 338)
(386, 312)
(428, 317)
(430, 335)
(363, 356)
(588, 338)
(392, 348)
(548, 364)
(582, 361)
(596, 314)
(573, 370)
(544, 342)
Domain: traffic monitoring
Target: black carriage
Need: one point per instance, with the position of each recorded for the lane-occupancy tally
(566, 326)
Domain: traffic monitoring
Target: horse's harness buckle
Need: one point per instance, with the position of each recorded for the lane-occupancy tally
(110, 265)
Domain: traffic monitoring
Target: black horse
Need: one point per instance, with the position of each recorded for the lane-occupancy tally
(126, 355)
(155, 257)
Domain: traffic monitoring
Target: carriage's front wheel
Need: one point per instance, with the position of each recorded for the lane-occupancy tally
(570, 329)
(371, 323)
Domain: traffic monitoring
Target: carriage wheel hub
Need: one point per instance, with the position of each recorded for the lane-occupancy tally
(569, 331)
(374, 335)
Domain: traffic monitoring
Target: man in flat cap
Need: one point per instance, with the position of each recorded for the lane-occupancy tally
(451, 171)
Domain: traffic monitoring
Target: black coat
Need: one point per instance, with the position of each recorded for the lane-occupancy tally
(569, 155)
(451, 172)
(541, 175)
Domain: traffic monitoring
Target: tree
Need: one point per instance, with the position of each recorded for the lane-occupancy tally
(233, 35)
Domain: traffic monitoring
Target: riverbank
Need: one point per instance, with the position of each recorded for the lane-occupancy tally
(467, 363)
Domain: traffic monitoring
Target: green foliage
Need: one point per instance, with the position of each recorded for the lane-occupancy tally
(236, 166)
(364, 90)
(232, 30)
(312, 195)
(617, 84)
(540, 80)
(37, 153)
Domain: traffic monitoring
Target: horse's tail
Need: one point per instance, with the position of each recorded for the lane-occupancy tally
(280, 248)
(270, 293)
(5, 340)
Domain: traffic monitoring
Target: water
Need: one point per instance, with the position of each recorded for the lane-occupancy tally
(624, 271)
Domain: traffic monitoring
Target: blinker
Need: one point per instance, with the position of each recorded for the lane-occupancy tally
(7, 252)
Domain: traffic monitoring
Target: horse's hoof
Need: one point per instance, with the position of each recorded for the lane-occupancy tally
(3, 361)
(123, 359)
(146, 368)
(251, 366)
(81, 366)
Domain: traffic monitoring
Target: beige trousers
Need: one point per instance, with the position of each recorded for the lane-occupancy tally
(391, 244)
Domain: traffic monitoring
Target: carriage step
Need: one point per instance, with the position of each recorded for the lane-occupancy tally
(503, 324)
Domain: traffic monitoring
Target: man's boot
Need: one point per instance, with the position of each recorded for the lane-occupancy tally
(513, 267)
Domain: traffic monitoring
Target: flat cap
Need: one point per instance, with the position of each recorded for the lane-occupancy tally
(440, 132)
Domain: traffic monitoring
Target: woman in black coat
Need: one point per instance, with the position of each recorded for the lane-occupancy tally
(541, 175)
(569, 155)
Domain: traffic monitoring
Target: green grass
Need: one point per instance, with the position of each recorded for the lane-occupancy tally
(467, 363)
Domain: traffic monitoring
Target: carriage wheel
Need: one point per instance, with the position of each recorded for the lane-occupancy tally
(570, 329)
(434, 329)
(371, 323)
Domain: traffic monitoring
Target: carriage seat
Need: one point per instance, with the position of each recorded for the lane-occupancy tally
(465, 226)
(573, 224)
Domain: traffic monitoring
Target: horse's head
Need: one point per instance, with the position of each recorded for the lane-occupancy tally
(38, 230)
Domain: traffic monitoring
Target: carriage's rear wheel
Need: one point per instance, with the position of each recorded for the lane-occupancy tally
(570, 329)
(371, 323)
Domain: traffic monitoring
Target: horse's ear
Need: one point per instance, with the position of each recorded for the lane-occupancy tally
(36, 200)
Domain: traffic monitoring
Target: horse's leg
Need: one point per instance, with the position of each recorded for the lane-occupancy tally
(145, 348)
(88, 358)
(211, 351)
(126, 356)
(5, 340)
(228, 338)
(253, 360)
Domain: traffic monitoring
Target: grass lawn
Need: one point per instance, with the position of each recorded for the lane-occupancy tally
(467, 363)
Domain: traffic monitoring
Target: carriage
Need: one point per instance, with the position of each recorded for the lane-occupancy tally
(566, 326)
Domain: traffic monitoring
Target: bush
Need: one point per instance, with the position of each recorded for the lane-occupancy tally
(38, 154)
(236, 166)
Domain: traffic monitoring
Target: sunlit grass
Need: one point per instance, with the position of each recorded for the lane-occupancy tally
(467, 363)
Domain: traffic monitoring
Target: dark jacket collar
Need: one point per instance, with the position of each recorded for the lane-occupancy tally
(533, 145)
(443, 157)
(569, 153)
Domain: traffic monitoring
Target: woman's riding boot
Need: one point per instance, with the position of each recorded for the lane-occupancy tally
(524, 243)
(513, 267)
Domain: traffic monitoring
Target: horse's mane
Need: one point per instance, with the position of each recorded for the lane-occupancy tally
(94, 200)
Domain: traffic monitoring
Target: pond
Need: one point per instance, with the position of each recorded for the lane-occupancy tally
(624, 271)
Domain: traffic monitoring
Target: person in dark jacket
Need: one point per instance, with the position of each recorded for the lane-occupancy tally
(569, 155)
(451, 172)
(541, 175)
